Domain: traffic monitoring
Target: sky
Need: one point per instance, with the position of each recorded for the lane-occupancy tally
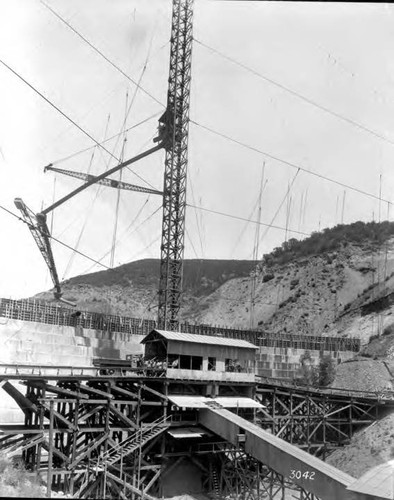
(305, 85)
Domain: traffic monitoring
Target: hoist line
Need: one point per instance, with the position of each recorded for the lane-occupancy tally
(128, 109)
(57, 240)
(77, 243)
(121, 239)
(297, 94)
(244, 228)
(66, 116)
(231, 216)
(61, 160)
(101, 53)
(195, 213)
(57, 108)
(155, 240)
(112, 257)
(121, 273)
(288, 163)
(191, 243)
(289, 188)
(98, 192)
(247, 222)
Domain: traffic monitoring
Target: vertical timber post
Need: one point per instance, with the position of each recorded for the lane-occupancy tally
(175, 122)
(50, 450)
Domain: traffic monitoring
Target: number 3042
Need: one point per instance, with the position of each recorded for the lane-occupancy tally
(297, 474)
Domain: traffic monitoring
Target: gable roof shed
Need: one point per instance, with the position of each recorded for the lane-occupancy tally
(197, 339)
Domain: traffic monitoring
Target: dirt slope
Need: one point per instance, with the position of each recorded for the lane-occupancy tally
(369, 447)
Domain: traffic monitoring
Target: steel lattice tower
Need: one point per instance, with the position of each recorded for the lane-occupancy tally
(175, 132)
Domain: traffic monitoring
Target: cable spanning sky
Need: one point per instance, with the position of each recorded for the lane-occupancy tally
(302, 87)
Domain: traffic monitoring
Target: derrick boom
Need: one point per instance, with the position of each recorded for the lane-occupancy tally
(105, 182)
(39, 229)
(175, 129)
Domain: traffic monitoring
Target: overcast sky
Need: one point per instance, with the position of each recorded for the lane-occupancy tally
(336, 55)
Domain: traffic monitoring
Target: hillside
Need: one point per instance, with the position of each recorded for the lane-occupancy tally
(131, 289)
(337, 282)
(371, 446)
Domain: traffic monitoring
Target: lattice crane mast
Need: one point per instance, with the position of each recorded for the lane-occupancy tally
(173, 137)
(175, 123)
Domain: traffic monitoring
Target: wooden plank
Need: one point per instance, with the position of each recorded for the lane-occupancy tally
(39, 384)
(58, 416)
(122, 417)
(91, 390)
(55, 451)
(152, 391)
(88, 449)
(90, 413)
(8, 441)
(121, 390)
(33, 441)
(130, 487)
(50, 451)
(117, 489)
(152, 481)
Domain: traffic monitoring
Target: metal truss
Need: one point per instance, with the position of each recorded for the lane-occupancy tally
(113, 183)
(313, 421)
(174, 136)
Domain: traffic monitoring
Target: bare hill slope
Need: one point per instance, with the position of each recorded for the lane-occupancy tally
(337, 282)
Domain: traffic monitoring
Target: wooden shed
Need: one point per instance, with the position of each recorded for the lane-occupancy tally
(201, 357)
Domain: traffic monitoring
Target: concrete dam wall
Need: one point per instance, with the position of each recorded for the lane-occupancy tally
(32, 343)
(37, 333)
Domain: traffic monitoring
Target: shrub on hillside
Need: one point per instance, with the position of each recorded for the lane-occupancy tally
(308, 374)
(326, 371)
(331, 239)
(268, 277)
(316, 376)
(14, 481)
(389, 329)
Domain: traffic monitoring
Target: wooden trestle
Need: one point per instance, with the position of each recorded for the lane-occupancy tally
(318, 420)
(105, 436)
(102, 437)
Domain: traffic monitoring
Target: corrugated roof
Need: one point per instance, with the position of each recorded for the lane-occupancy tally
(378, 482)
(202, 339)
(204, 402)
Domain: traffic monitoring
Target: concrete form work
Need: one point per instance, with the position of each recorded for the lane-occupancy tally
(111, 336)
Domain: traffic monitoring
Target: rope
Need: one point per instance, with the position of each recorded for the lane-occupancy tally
(66, 116)
(285, 162)
(120, 240)
(88, 212)
(65, 158)
(197, 221)
(112, 257)
(298, 95)
(278, 210)
(101, 53)
(231, 216)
